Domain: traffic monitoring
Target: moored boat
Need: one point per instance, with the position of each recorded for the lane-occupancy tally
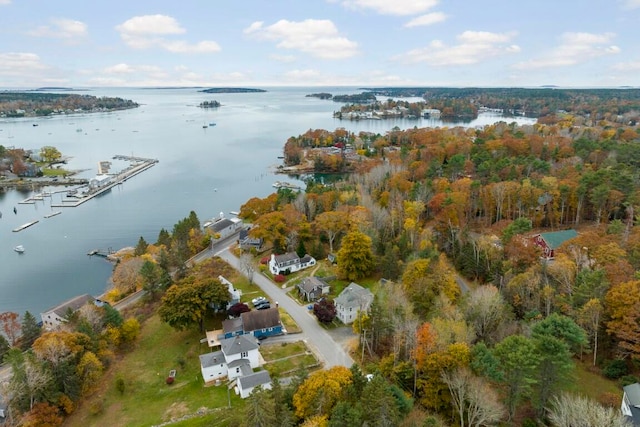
(19, 249)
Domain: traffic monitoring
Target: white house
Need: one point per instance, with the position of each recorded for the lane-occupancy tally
(631, 403)
(291, 262)
(352, 299)
(237, 357)
(55, 316)
(234, 294)
(100, 181)
(246, 384)
(224, 227)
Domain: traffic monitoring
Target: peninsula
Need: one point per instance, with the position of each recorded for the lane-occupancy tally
(39, 104)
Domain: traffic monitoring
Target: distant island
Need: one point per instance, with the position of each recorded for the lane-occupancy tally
(57, 89)
(231, 90)
(37, 104)
(321, 95)
(209, 104)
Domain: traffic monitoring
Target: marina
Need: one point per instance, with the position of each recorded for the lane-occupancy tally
(53, 214)
(284, 184)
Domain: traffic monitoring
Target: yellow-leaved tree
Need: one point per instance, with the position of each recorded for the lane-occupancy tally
(319, 393)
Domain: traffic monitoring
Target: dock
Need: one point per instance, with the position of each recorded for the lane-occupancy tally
(100, 253)
(23, 226)
(53, 214)
(141, 165)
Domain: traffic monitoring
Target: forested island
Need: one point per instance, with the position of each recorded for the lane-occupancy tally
(231, 90)
(466, 103)
(209, 104)
(35, 104)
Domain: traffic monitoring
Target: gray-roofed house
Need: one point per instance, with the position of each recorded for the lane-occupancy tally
(246, 384)
(238, 356)
(312, 288)
(246, 242)
(352, 299)
(549, 242)
(55, 316)
(631, 403)
(224, 227)
(290, 262)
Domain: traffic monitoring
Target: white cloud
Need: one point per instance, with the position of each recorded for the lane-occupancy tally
(574, 48)
(473, 47)
(631, 4)
(428, 19)
(627, 66)
(149, 31)
(150, 25)
(61, 28)
(119, 69)
(283, 58)
(20, 64)
(319, 38)
(395, 7)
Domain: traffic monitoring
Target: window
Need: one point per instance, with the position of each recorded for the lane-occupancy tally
(237, 370)
(244, 354)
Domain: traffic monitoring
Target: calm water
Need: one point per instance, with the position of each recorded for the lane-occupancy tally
(208, 171)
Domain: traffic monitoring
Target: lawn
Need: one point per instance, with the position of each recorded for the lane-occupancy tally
(285, 358)
(288, 323)
(147, 399)
(592, 384)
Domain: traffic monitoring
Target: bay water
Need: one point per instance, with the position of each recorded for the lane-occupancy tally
(207, 170)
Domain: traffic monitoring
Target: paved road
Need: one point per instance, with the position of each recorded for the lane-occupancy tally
(317, 338)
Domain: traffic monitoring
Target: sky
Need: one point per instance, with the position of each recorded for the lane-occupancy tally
(256, 43)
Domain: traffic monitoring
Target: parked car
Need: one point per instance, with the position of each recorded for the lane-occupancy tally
(263, 306)
(259, 300)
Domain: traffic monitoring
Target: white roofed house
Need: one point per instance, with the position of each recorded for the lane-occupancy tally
(238, 356)
(290, 262)
(234, 294)
(246, 384)
(352, 299)
(631, 403)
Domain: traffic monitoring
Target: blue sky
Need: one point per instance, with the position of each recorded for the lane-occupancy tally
(319, 43)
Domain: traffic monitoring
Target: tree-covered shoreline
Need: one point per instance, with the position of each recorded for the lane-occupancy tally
(36, 104)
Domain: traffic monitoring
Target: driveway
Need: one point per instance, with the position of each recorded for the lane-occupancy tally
(330, 352)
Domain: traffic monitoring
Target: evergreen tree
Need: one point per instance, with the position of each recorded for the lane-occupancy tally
(260, 410)
(30, 331)
(164, 238)
(4, 347)
(141, 247)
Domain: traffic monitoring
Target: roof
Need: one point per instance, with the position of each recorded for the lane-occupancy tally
(633, 393)
(354, 295)
(232, 325)
(210, 359)
(73, 304)
(260, 319)
(556, 238)
(289, 256)
(311, 283)
(254, 380)
(221, 224)
(238, 344)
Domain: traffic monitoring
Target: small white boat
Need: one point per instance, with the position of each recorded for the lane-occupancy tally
(19, 249)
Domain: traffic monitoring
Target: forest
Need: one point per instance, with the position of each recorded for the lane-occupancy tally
(34, 104)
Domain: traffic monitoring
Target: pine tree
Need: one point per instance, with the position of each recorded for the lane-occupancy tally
(30, 330)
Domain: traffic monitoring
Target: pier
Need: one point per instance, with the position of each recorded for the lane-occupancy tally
(23, 226)
(140, 165)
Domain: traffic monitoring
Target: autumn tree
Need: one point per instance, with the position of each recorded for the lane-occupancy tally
(355, 257)
(186, 303)
(271, 227)
(141, 247)
(486, 311)
(590, 317)
(10, 326)
(319, 393)
(570, 410)
(50, 154)
(623, 308)
(325, 310)
(126, 276)
(425, 279)
(43, 414)
(247, 265)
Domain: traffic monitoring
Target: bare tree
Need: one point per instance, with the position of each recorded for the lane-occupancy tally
(569, 410)
(37, 378)
(485, 310)
(10, 326)
(247, 266)
(476, 402)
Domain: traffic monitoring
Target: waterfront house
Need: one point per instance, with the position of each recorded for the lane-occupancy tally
(631, 403)
(224, 227)
(247, 242)
(312, 288)
(237, 356)
(55, 316)
(353, 299)
(290, 263)
(259, 323)
(234, 294)
(549, 242)
(100, 181)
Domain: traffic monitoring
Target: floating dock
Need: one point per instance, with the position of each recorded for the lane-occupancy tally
(53, 214)
(23, 226)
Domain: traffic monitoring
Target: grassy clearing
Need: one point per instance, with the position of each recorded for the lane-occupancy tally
(288, 323)
(285, 358)
(147, 399)
(592, 384)
(273, 352)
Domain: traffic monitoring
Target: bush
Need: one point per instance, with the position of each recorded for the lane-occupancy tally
(96, 407)
(615, 369)
(610, 400)
(181, 362)
(628, 379)
(170, 380)
(265, 260)
(279, 278)
(120, 385)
